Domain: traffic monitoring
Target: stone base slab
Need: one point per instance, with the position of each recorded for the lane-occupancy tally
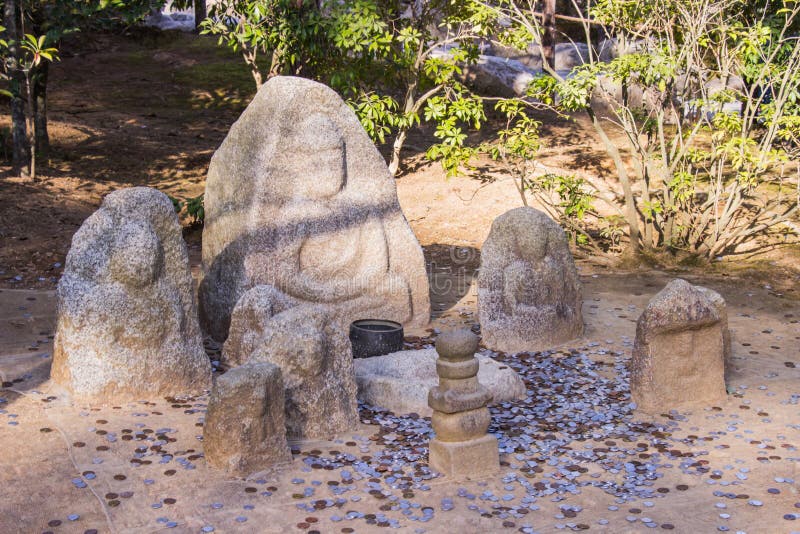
(465, 459)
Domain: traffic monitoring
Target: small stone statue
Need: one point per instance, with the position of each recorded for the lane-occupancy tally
(529, 293)
(245, 429)
(461, 448)
(127, 320)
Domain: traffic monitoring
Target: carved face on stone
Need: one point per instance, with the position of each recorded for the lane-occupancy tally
(531, 246)
(317, 154)
(137, 255)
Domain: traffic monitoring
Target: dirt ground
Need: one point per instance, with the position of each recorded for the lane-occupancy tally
(104, 464)
(151, 112)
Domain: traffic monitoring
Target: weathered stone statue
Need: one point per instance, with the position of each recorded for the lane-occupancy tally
(529, 293)
(299, 199)
(682, 342)
(313, 353)
(127, 324)
(244, 430)
(462, 447)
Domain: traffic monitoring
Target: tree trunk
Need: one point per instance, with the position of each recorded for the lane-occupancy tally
(631, 216)
(200, 13)
(397, 146)
(549, 36)
(410, 103)
(19, 133)
(29, 92)
(42, 138)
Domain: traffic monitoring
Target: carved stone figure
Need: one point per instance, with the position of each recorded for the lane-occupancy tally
(127, 324)
(680, 349)
(529, 293)
(313, 353)
(299, 199)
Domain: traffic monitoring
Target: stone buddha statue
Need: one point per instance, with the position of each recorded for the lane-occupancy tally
(529, 293)
(315, 217)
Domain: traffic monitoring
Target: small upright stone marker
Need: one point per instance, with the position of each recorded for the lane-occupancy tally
(461, 448)
(682, 342)
(245, 430)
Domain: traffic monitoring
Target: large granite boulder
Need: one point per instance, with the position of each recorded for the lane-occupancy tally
(529, 293)
(244, 429)
(498, 76)
(400, 381)
(127, 324)
(298, 198)
(680, 349)
(315, 358)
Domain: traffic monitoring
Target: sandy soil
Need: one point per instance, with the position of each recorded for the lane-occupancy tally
(130, 480)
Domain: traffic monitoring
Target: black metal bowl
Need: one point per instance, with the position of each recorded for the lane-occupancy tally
(375, 337)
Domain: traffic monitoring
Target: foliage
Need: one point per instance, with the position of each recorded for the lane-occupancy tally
(4, 75)
(285, 29)
(196, 209)
(703, 102)
(397, 65)
(38, 28)
(193, 206)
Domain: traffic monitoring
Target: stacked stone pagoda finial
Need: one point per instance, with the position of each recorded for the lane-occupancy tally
(462, 447)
